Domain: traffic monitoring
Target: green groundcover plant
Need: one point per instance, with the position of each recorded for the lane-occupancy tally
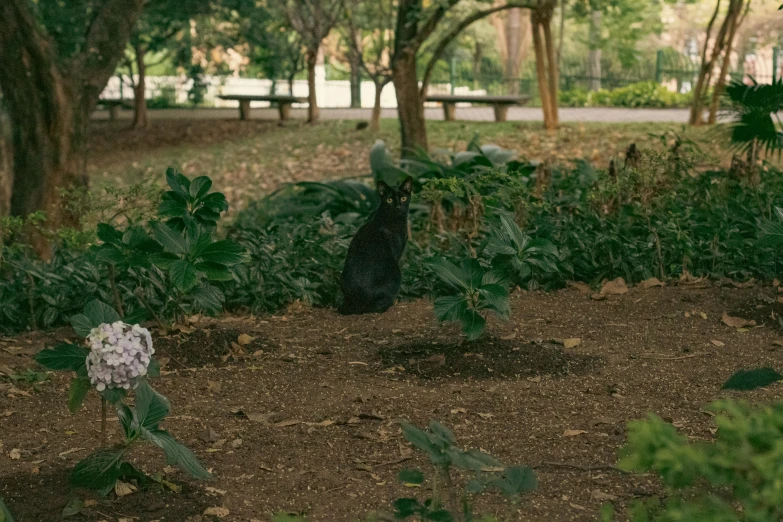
(117, 361)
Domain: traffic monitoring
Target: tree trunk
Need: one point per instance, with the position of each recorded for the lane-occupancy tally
(140, 90)
(355, 64)
(6, 162)
(513, 43)
(409, 105)
(543, 88)
(594, 57)
(734, 15)
(375, 119)
(554, 77)
(702, 83)
(312, 102)
(477, 57)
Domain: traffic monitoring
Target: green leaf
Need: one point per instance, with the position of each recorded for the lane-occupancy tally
(171, 240)
(153, 370)
(73, 507)
(473, 324)
(183, 275)
(177, 454)
(420, 439)
(5, 514)
(208, 298)
(215, 271)
(98, 471)
(114, 395)
(100, 313)
(450, 273)
(109, 234)
(450, 307)
(225, 252)
(746, 380)
(63, 357)
(410, 476)
(440, 515)
(521, 478)
(178, 183)
(200, 186)
(474, 487)
(151, 407)
(406, 507)
(442, 432)
(79, 388)
(81, 325)
(125, 415)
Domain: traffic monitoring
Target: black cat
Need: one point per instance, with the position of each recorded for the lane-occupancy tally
(371, 277)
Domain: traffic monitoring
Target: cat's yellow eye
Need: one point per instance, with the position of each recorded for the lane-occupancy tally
(404, 198)
(389, 200)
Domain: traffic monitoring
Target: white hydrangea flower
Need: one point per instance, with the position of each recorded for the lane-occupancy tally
(119, 355)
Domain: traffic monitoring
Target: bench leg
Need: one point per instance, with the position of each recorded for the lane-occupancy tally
(114, 112)
(501, 112)
(244, 109)
(449, 110)
(285, 110)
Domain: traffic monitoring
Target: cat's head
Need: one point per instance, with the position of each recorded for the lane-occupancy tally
(395, 200)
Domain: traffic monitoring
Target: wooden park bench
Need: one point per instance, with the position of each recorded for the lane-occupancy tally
(499, 103)
(283, 101)
(113, 105)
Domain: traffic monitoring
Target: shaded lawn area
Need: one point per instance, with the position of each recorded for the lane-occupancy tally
(247, 160)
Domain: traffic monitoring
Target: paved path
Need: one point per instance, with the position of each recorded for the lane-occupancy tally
(593, 114)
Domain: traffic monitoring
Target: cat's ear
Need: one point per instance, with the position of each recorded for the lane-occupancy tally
(407, 185)
(383, 188)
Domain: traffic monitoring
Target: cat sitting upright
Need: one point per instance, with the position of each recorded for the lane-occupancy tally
(371, 277)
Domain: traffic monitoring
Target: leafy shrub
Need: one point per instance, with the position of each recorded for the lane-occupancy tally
(486, 473)
(737, 477)
(635, 95)
(575, 97)
(102, 469)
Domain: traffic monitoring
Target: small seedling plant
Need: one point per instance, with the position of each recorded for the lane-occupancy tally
(446, 504)
(118, 361)
(176, 256)
(475, 289)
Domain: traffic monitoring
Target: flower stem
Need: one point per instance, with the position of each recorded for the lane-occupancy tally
(103, 423)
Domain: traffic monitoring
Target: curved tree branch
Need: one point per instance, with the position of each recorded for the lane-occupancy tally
(456, 30)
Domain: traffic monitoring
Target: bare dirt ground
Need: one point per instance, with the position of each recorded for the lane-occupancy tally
(304, 419)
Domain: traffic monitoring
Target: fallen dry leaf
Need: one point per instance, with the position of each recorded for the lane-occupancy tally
(244, 339)
(219, 512)
(580, 286)
(214, 386)
(600, 495)
(577, 506)
(650, 283)
(485, 415)
(215, 491)
(716, 342)
(72, 450)
(614, 287)
(571, 342)
(458, 410)
(573, 433)
(123, 489)
(15, 454)
(776, 342)
(736, 322)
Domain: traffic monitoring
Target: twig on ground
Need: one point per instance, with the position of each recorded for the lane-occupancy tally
(663, 357)
(597, 467)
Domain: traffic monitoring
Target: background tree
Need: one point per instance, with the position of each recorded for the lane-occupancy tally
(57, 58)
(720, 53)
(513, 40)
(414, 25)
(546, 61)
(160, 21)
(372, 25)
(313, 20)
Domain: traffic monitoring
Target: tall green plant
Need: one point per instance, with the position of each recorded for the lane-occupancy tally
(755, 108)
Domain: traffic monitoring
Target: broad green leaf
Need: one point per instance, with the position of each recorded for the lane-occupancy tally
(442, 432)
(111, 255)
(64, 357)
(225, 252)
(473, 324)
(100, 313)
(474, 487)
(183, 275)
(171, 240)
(79, 388)
(215, 202)
(214, 271)
(521, 478)
(108, 234)
(419, 438)
(177, 454)
(82, 325)
(440, 515)
(178, 183)
(73, 507)
(200, 186)
(5, 514)
(746, 380)
(495, 298)
(410, 476)
(450, 307)
(406, 507)
(98, 471)
(450, 273)
(125, 415)
(151, 407)
(114, 395)
(208, 298)
(153, 370)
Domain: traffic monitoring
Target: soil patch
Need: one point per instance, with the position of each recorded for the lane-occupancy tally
(215, 347)
(486, 358)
